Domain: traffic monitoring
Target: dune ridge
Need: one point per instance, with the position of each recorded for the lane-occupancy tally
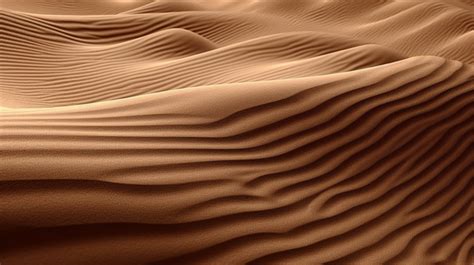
(236, 132)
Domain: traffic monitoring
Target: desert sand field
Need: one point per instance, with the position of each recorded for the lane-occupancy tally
(236, 132)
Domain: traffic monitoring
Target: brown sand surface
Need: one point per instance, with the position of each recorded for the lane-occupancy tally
(236, 132)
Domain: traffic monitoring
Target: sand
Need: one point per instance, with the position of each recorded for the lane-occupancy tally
(236, 132)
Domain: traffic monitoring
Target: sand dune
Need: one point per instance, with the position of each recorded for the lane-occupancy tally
(236, 132)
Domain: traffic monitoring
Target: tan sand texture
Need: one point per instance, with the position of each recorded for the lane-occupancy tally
(236, 132)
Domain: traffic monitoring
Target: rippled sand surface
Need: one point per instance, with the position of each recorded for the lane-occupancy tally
(236, 132)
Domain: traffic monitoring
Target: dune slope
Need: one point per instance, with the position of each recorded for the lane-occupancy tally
(236, 132)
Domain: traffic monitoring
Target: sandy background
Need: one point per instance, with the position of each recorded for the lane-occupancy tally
(236, 132)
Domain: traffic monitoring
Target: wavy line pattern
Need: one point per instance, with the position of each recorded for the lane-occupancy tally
(236, 132)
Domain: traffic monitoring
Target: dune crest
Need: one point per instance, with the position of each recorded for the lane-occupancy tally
(236, 132)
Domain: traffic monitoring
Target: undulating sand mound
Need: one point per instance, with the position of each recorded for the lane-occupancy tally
(74, 7)
(236, 132)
